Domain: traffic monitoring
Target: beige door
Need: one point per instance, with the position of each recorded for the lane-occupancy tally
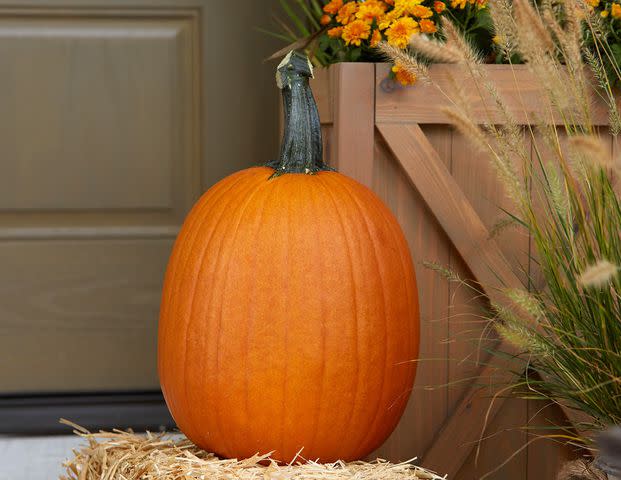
(114, 116)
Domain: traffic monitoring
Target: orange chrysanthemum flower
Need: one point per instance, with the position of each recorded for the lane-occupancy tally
(325, 19)
(376, 37)
(461, 4)
(347, 13)
(438, 6)
(615, 10)
(335, 32)
(370, 11)
(355, 32)
(427, 26)
(403, 76)
(401, 30)
(333, 6)
(421, 11)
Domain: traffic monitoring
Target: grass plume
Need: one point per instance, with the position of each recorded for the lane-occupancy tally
(568, 328)
(407, 61)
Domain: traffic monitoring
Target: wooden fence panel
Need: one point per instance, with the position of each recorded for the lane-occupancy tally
(470, 334)
(447, 200)
(428, 243)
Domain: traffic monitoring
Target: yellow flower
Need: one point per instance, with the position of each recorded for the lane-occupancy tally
(413, 7)
(403, 76)
(593, 3)
(379, 3)
(347, 13)
(376, 37)
(400, 31)
(615, 10)
(459, 3)
(355, 32)
(333, 6)
(402, 9)
(325, 19)
(384, 22)
(335, 32)
(370, 11)
(421, 11)
(427, 26)
(438, 6)
(604, 13)
(407, 5)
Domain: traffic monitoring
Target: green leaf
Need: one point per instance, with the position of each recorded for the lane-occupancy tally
(354, 54)
(615, 48)
(483, 20)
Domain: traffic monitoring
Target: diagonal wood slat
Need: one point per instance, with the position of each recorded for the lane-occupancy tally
(470, 237)
(452, 209)
(428, 174)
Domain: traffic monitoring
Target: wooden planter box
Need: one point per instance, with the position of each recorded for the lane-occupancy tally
(397, 141)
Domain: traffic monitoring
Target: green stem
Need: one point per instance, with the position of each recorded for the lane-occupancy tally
(302, 148)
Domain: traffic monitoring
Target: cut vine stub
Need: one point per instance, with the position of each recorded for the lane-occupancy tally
(302, 149)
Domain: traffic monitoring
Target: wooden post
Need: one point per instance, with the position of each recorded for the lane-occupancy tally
(354, 120)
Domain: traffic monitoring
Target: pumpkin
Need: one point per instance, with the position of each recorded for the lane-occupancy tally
(289, 315)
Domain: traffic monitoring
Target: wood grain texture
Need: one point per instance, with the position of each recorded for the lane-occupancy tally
(452, 209)
(423, 104)
(354, 120)
(470, 333)
(501, 452)
(324, 90)
(471, 239)
(427, 407)
(546, 456)
(464, 198)
(118, 114)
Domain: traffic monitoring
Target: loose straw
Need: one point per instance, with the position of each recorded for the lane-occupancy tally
(120, 455)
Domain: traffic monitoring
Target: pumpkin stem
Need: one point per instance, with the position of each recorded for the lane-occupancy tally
(301, 150)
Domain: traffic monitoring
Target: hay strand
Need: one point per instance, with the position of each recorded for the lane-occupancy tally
(131, 456)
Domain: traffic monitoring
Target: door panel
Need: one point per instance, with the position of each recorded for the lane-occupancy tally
(105, 143)
(97, 107)
(80, 314)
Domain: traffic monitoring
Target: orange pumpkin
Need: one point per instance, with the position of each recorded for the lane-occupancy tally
(289, 317)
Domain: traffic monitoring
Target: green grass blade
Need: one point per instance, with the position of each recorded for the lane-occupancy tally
(317, 8)
(295, 18)
(303, 5)
(280, 36)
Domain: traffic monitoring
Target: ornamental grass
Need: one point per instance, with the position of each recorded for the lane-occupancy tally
(130, 456)
(563, 181)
